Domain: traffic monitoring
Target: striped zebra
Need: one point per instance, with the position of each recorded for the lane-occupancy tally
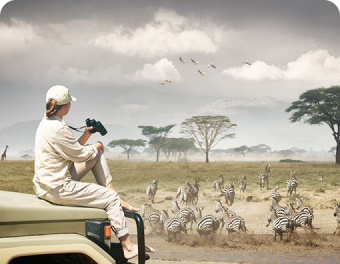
(172, 226)
(291, 184)
(264, 176)
(275, 195)
(337, 215)
(229, 194)
(303, 219)
(233, 222)
(280, 225)
(287, 211)
(299, 202)
(152, 215)
(219, 184)
(186, 214)
(151, 190)
(243, 185)
(184, 193)
(207, 225)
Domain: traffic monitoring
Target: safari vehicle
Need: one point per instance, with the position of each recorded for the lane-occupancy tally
(35, 231)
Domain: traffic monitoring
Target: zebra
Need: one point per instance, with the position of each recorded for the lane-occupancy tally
(291, 184)
(207, 225)
(280, 225)
(152, 215)
(299, 202)
(233, 222)
(287, 210)
(151, 190)
(264, 176)
(172, 226)
(184, 193)
(194, 193)
(303, 219)
(219, 184)
(229, 194)
(275, 195)
(337, 215)
(185, 214)
(243, 185)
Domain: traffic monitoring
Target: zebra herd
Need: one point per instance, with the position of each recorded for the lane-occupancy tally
(283, 219)
(206, 226)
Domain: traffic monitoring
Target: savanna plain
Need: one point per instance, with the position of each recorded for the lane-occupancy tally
(257, 245)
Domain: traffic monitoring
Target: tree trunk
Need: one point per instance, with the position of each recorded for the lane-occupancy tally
(337, 153)
(157, 158)
(207, 157)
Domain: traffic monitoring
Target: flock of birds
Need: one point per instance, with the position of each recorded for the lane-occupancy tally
(201, 72)
(284, 219)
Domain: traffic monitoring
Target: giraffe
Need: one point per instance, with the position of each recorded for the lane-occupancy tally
(3, 156)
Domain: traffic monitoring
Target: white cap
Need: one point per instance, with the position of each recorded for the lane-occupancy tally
(61, 94)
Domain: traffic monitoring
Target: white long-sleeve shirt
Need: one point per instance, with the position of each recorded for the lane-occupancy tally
(55, 149)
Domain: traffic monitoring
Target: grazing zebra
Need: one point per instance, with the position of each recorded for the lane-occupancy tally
(172, 226)
(229, 194)
(337, 215)
(280, 225)
(152, 216)
(264, 176)
(291, 184)
(219, 184)
(194, 193)
(243, 185)
(151, 190)
(186, 214)
(233, 222)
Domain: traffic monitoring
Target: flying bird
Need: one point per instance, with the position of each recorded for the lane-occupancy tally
(201, 72)
(162, 83)
(181, 60)
(195, 62)
(212, 65)
(168, 81)
(247, 62)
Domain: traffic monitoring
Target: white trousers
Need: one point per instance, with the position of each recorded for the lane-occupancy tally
(90, 194)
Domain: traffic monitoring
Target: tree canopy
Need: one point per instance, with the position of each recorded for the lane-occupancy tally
(318, 106)
(207, 131)
(127, 144)
(156, 136)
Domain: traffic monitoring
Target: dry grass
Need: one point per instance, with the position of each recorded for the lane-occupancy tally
(132, 177)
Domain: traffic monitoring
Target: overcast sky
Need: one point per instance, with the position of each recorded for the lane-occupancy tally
(113, 55)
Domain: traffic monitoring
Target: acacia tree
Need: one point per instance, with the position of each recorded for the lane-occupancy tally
(242, 150)
(207, 131)
(127, 144)
(156, 136)
(178, 145)
(317, 106)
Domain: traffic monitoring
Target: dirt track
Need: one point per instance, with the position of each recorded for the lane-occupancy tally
(255, 247)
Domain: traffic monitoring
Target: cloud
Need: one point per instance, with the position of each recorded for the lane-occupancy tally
(167, 33)
(315, 65)
(15, 35)
(160, 71)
